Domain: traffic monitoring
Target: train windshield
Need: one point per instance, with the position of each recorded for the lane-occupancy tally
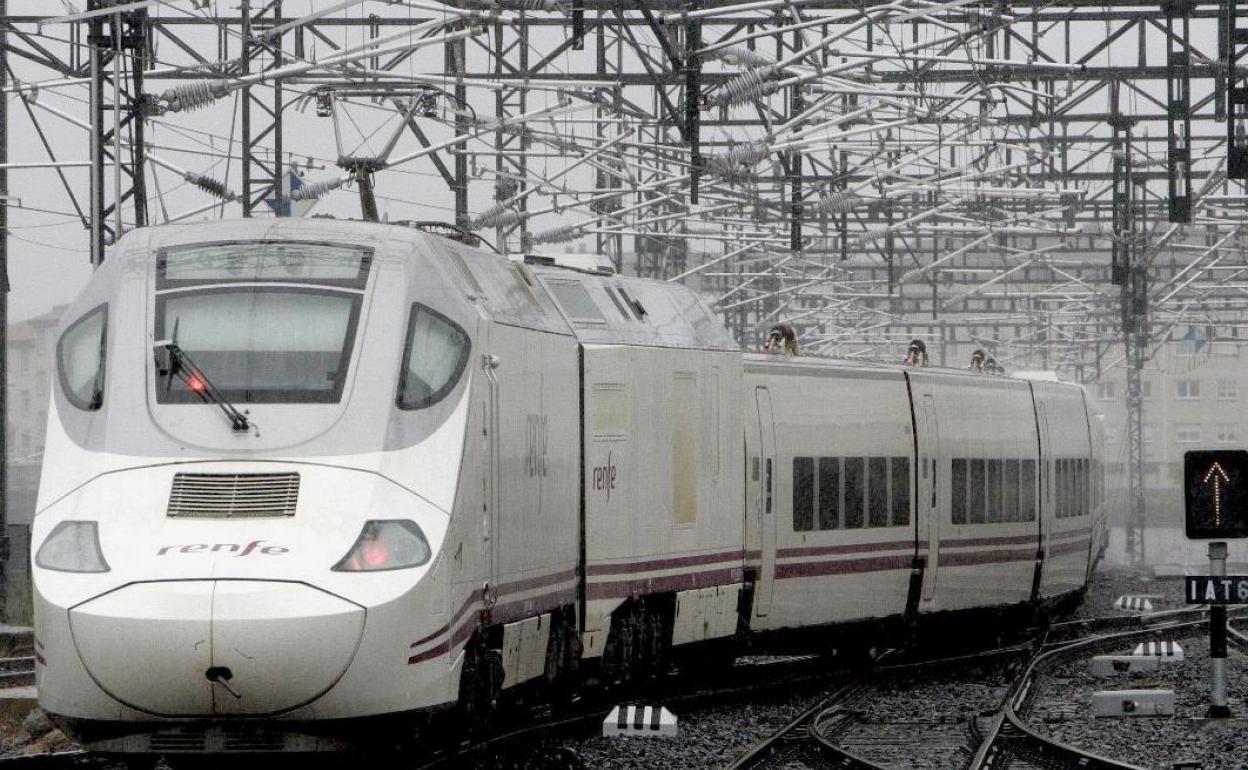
(270, 322)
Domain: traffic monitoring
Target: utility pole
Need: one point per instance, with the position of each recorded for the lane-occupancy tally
(4, 313)
(1129, 273)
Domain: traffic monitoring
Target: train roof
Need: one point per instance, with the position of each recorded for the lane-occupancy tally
(592, 305)
(814, 365)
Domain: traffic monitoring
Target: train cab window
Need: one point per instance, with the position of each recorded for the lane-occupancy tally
(957, 481)
(803, 494)
(80, 359)
(829, 493)
(1027, 491)
(900, 469)
(855, 489)
(434, 357)
(267, 321)
(977, 488)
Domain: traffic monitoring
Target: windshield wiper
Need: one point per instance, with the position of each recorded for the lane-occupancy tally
(180, 365)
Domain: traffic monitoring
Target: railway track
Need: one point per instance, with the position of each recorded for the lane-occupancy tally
(830, 733)
(833, 733)
(681, 691)
(17, 671)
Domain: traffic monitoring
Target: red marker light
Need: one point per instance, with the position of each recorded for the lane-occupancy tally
(375, 554)
(196, 384)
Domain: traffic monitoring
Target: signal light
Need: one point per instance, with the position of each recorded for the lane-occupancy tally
(196, 384)
(386, 545)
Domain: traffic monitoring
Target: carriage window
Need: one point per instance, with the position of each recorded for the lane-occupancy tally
(1068, 497)
(900, 467)
(976, 492)
(957, 480)
(1059, 486)
(1009, 488)
(829, 493)
(992, 506)
(1027, 491)
(803, 494)
(80, 359)
(855, 486)
(1083, 487)
(877, 491)
(435, 355)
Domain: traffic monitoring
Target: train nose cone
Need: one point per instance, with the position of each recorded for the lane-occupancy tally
(284, 643)
(163, 647)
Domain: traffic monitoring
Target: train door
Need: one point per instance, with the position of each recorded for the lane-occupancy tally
(490, 502)
(1045, 512)
(764, 500)
(928, 508)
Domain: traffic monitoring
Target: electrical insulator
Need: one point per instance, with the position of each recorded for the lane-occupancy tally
(750, 85)
(213, 187)
(558, 234)
(192, 96)
(314, 190)
(835, 202)
(741, 56)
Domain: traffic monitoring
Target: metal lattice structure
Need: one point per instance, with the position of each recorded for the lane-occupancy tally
(1060, 183)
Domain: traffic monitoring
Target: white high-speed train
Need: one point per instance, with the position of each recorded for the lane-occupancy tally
(307, 479)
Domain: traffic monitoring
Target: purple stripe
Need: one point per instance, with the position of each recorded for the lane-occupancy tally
(674, 562)
(1073, 547)
(836, 550)
(985, 557)
(515, 587)
(842, 566)
(686, 582)
(1030, 539)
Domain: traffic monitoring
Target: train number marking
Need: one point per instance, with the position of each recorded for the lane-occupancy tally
(253, 546)
(604, 477)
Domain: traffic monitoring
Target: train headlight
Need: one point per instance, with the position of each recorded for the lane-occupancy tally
(386, 545)
(72, 546)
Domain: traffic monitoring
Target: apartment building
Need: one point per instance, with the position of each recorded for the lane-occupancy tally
(1194, 397)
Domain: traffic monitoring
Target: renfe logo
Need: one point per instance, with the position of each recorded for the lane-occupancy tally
(268, 550)
(604, 477)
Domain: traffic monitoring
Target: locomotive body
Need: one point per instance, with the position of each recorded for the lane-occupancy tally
(305, 477)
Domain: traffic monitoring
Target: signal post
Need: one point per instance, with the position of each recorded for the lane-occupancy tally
(1215, 493)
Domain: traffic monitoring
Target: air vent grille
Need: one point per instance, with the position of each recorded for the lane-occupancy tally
(233, 495)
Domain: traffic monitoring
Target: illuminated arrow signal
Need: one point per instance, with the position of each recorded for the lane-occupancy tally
(1219, 477)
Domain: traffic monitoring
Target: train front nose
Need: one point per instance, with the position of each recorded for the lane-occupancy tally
(216, 647)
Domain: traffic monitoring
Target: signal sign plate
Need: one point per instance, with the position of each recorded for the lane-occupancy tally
(1215, 490)
(1232, 589)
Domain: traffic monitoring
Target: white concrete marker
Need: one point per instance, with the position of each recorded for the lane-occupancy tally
(1134, 603)
(639, 721)
(1167, 652)
(1107, 665)
(1133, 703)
